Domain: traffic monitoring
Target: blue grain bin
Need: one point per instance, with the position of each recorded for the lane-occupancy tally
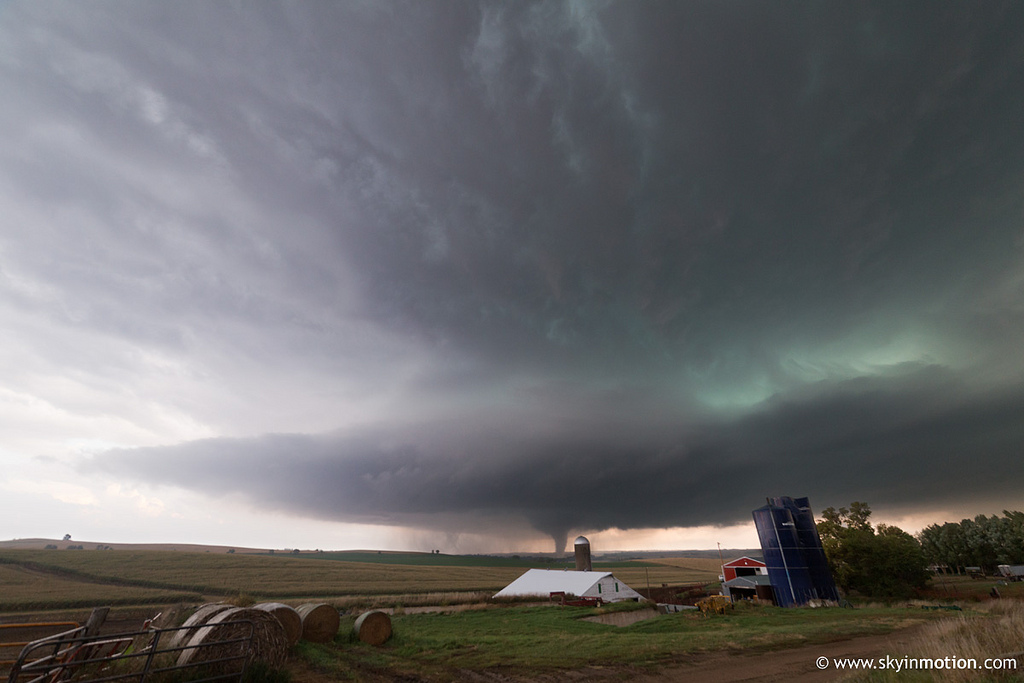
(792, 551)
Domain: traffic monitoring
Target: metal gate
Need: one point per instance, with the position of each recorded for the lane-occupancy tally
(138, 655)
(10, 648)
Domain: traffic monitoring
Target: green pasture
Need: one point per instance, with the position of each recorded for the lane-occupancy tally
(548, 639)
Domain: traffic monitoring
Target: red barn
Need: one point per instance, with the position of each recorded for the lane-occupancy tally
(743, 566)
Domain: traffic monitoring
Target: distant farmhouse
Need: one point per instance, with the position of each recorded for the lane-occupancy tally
(582, 582)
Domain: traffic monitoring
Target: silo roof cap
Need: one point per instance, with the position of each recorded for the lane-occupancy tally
(581, 540)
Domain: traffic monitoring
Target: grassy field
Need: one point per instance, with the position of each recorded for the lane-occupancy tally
(114, 577)
(966, 588)
(992, 630)
(535, 640)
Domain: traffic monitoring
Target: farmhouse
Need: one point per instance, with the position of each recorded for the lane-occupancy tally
(543, 582)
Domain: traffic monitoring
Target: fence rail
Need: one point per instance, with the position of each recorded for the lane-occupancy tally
(8, 645)
(207, 653)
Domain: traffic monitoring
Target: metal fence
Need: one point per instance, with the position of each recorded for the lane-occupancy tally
(147, 655)
(11, 648)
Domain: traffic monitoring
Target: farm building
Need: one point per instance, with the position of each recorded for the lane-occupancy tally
(743, 566)
(543, 582)
(793, 553)
(1013, 572)
(749, 587)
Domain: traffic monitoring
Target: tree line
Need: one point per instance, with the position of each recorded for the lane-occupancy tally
(885, 561)
(984, 542)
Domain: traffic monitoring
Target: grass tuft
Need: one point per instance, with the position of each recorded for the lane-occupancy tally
(987, 630)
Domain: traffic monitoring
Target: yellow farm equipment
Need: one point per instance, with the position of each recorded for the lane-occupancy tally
(714, 604)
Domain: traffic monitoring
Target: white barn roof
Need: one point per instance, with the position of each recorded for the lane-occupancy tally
(544, 582)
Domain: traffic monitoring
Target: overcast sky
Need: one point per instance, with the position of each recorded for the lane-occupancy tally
(481, 276)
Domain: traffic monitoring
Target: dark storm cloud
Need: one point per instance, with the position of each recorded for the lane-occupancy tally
(655, 184)
(577, 263)
(894, 440)
(559, 183)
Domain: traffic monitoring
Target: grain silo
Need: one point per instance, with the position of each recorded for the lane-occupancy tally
(582, 547)
(792, 552)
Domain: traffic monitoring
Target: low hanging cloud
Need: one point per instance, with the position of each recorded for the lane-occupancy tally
(891, 439)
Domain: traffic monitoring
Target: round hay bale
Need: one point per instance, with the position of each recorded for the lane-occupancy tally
(320, 622)
(288, 617)
(198, 618)
(373, 628)
(269, 642)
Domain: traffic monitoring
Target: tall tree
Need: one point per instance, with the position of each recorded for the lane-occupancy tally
(882, 562)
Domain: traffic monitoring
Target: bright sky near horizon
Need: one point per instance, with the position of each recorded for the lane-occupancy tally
(481, 276)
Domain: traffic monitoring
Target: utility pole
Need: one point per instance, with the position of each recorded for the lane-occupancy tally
(722, 567)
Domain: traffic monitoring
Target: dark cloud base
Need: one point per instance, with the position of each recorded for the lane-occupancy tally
(918, 441)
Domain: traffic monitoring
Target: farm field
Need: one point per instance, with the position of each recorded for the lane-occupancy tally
(439, 559)
(120, 575)
(511, 643)
(704, 566)
(25, 589)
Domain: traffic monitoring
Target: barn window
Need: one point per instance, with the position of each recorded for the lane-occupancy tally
(598, 588)
(616, 586)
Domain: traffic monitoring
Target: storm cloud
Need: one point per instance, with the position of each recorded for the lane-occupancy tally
(561, 266)
(893, 439)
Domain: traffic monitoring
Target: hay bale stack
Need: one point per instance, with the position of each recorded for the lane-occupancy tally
(320, 622)
(199, 618)
(373, 628)
(289, 618)
(269, 642)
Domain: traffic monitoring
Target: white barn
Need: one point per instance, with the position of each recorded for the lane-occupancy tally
(544, 582)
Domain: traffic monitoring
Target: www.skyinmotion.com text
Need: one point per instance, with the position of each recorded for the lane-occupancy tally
(889, 663)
